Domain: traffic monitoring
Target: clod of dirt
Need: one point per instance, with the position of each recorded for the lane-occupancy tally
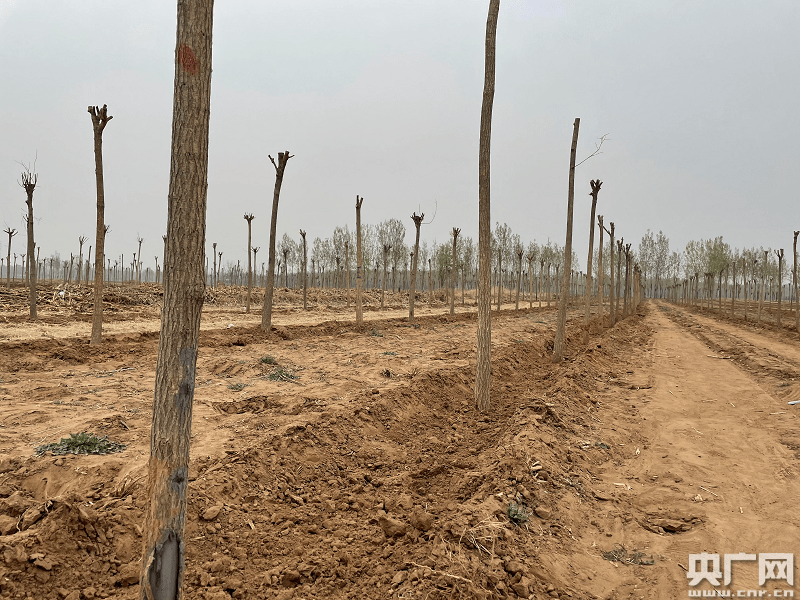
(392, 527)
(211, 513)
(543, 512)
(421, 520)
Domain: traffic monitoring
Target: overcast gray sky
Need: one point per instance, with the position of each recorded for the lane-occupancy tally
(382, 99)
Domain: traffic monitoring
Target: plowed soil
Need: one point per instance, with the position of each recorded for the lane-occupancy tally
(331, 460)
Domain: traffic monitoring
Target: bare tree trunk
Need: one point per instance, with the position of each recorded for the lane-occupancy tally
(744, 285)
(413, 283)
(763, 286)
(100, 119)
(430, 281)
(561, 323)
(619, 279)
(163, 561)
(138, 263)
(463, 282)
(386, 248)
(359, 267)
(249, 218)
(12, 232)
(588, 291)
(214, 265)
(611, 293)
(305, 270)
(733, 291)
(453, 272)
(601, 275)
(779, 254)
(794, 279)
(347, 272)
(484, 347)
(627, 279)
(266, 313)
(519, 276)
(530, 258)
(29, 184)
(81, 242)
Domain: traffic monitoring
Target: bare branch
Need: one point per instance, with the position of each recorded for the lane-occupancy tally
(596, 150)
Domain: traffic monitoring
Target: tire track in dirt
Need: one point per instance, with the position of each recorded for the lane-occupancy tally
(716, 473)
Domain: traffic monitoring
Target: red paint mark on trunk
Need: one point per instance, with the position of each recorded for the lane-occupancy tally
(188, 60)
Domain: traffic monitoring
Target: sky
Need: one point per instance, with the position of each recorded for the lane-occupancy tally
(382, 100)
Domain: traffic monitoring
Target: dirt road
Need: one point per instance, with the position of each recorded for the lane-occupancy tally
(719, 468)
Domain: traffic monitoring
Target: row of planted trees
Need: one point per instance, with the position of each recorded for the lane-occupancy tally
(185, 277)
(731, 279)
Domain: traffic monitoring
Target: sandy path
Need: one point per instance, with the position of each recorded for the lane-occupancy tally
(708, 424)
(55, 325)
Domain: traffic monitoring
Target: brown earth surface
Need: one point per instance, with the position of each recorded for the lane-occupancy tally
(331, 460)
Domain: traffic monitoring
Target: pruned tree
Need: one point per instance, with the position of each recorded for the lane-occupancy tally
(779, 254)
(413, 281)
(386, 249)
(305, 266)
(519, 252)
(214, 265)
(138, 263)
(601, 274)
(620, 246)
(595, 183)
(255, 263)
(347, 271)
(81, 242)
(627, 279)
(249, 218)
(28, 183)
(163, 561)
(561, 323)
(359, 266)
(453, 271)
(531, 255)
(280, 168)
(484, 346)
(794, 281)
(502, 235)
(12, 232)
(763, 286)
(100, 119)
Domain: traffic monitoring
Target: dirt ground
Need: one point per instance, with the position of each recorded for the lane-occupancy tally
(336, 461)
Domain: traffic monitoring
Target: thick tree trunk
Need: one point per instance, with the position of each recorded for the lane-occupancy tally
(266, 313)
(359, 267)
(163, 560)
(484, 347)
(561, 323)
(588, 291)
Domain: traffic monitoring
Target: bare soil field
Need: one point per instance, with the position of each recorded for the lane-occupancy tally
(331, 460)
